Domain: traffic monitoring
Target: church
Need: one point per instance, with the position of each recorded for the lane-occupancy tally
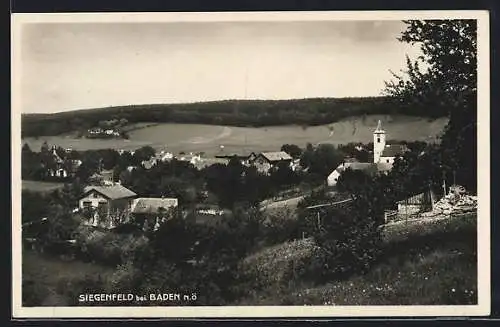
(383, 157)
(382, 152)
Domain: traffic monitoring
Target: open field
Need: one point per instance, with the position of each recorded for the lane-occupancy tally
(209, 138)
(38, 186)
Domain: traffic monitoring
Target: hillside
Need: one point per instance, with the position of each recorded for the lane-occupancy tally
(208, 138)
(252, 113)
(425, 262)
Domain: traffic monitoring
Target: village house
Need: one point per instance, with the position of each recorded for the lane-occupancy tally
(266, 161)
(164, 156)
(108, 206)
(151, 212)
(131, 168)
(209, 214)
(97, 132)
(161, 156)
(191, 158)
(245, 158)
(61, 167)
(56, 168)
(148, 164)
(103, 177)
(367, 167)
(206, 162)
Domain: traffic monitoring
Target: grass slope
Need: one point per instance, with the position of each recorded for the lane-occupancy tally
(424, 263)
(50, 281)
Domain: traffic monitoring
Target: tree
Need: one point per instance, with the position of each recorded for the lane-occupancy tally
(348, 239)
(325, 159)
(283, 176)
(68, 196)
(61, 226)
(123, 122)
(144, 153)
(45, 147)
(26, 148)
(307, 156)
(448, 84)
(353, 181)
(34, 206)
(293, 150)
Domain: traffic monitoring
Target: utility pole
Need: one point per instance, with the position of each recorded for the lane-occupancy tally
(431, 195)
(406, 210)
(444, 184)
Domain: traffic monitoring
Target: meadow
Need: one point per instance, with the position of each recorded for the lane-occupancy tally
(38, 186)
(209, 138)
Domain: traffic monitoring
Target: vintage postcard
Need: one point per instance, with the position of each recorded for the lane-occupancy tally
(250, 164)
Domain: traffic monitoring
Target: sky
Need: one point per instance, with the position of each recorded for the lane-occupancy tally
(70, 66)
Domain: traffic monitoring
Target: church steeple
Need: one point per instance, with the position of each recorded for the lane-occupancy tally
(379, 128)
(378, 142)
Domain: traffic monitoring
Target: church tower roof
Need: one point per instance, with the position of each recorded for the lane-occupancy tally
(379, 128)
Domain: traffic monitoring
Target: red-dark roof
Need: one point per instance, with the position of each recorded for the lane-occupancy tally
(112, 192)
(276, 156)
(393, 150)
(152, 205)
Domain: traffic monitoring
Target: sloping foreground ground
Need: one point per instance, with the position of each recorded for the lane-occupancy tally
(426, 262)
(50, 281)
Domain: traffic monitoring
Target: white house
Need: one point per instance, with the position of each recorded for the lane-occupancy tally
(111, 202)
(191, 158)
(368, 167)
(165, 156)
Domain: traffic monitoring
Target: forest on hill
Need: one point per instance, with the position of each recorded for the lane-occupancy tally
(250, 113)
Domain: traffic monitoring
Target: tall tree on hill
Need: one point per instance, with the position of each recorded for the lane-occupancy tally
(444, 79)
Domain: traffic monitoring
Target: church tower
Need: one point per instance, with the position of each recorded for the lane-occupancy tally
(378, 142)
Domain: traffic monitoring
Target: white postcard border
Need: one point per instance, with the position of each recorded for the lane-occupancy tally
(484, 287)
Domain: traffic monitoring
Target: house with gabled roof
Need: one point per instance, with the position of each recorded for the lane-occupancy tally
(244, 157)
(152, 212)
(367, 167)
(266, 161)
(106, 206)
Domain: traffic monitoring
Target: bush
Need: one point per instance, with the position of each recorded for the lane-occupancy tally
(33, 293)
(280, 227)
(350, 243)
(71, 289)
(108, 248)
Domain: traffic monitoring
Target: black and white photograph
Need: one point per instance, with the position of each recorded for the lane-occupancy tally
(264, 164)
